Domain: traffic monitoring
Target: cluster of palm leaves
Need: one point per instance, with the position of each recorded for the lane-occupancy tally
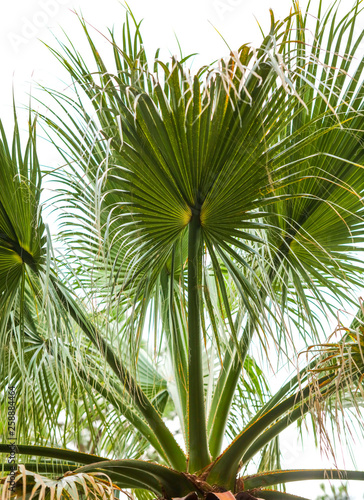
(207, 223)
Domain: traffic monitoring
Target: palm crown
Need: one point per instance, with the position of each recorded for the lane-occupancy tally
(199, 213)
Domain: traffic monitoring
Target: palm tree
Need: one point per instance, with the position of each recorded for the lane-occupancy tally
(202, 218)
(340, 494)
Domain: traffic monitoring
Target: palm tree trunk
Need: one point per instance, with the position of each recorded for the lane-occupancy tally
(197, 435)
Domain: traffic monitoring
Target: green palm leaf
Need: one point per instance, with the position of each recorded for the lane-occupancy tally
(203, 216)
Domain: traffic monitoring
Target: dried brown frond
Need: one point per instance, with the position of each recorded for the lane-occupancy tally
(75, 486)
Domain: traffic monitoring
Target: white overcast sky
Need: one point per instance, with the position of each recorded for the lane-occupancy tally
(23, 23)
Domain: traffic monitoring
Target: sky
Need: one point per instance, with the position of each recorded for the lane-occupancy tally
(194, 22)
(200, 26)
